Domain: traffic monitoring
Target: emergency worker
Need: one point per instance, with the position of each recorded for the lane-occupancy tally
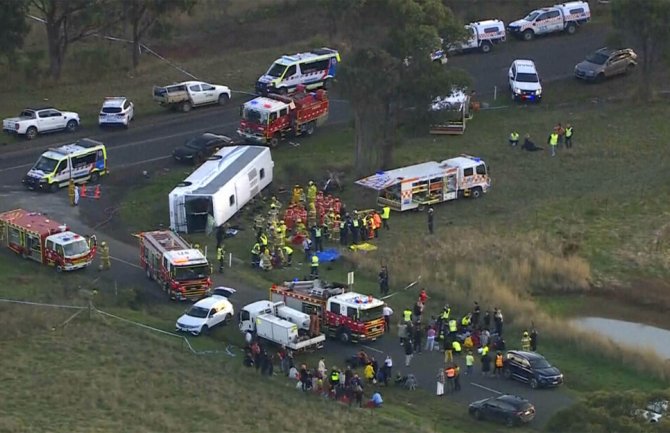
(105, 263)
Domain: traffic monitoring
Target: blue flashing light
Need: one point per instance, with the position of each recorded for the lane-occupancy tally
(254, 102)
(295, 280)
(380, 172)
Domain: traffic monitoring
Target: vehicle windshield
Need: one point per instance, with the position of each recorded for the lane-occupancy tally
(75, 248)
(540, 363)
(597, 58)
(523, 77)
(372, 314)
(111, 110)
(198, 312)
(255, 116)
(185, 273)
(276, 70)
(531, 16)
(47, 165)
(27, 114)
(196, 143)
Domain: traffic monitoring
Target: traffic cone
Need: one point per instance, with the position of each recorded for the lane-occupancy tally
(96, 194)
(82, 192)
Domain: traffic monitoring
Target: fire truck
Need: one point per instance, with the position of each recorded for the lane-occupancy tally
(269, 119)
(346, 316)
(181, 270)
(37, 237)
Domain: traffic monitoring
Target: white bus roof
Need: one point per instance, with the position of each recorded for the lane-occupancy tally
(384, 179)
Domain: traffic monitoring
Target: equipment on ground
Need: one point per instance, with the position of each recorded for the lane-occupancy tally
(425, 184)
(220, 187)
(181, 270)
(37, 237)
(347, 316)
(450, 114)
(269, 119)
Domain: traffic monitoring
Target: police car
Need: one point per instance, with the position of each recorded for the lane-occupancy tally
(116, 110)
(524, 81)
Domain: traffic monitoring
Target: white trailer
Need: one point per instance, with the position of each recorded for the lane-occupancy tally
(428, 183)
(220, 187)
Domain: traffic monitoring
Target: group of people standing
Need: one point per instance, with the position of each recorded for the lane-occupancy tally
(559, 136)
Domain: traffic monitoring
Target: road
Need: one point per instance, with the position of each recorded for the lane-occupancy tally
(152, 140)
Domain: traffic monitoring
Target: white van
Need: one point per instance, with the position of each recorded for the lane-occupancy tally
(85, 160)
(313, 69)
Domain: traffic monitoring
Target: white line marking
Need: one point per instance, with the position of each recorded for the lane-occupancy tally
(486, 388)
(372, 348)
(16, 167)
(158, 158)
(127, 263)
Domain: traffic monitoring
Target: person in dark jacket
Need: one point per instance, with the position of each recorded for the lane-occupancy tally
(529, 145)
(533, 340)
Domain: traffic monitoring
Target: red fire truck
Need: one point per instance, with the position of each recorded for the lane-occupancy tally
(347, 316)
(268, 119)
(181, 270)
(36, 236)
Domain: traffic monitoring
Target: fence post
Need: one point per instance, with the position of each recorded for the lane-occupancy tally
(495, 93)
(230, 260)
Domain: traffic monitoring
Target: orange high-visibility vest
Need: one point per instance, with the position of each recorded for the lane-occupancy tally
(451, 372)
(499, 361)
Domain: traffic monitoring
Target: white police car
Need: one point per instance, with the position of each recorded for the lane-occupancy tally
(116, 110)
(524, 81)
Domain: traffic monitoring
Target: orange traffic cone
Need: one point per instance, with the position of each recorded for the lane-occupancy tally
(82, 190)
(96, 194)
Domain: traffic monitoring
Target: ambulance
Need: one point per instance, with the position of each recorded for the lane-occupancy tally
(314, 69)
(428, 183)
(85, 160)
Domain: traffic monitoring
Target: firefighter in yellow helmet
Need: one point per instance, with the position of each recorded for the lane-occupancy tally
(105, 263)
(311, 192)
(525, 342)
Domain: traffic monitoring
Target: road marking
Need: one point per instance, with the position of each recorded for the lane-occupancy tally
(132, 164)
(127, 263)
(372, 348)
(16, 167)
(486, 388)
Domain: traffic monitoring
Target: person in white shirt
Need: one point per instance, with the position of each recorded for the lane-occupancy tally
(388, 367)
(388, 312)
(322, 368)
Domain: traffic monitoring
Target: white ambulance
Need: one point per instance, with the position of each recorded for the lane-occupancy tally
(85, 160)
(313, 69)
(561, 17)
(482, 35)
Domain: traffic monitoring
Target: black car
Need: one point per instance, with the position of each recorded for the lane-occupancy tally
(508, 409)
(198, 149)
(532, 368)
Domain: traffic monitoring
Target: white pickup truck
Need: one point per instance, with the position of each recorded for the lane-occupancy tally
(33, 121)
(563, 17)
(189, 94)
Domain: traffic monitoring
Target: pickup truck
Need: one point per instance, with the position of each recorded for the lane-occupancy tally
(189, 94)
(33, 121)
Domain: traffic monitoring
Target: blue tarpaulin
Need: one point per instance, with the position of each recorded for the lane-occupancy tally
(328, 255)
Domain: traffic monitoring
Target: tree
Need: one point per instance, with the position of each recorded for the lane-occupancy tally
(388, 77)
(13, 27)
(645, 24)
(142, 15)
(69, 21)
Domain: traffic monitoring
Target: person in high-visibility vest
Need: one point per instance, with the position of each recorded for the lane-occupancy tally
(552, 141)
(314, 272)
(220, 255)
(288, 254)
(453, 326)
(513, 138)
(568, 136)
(256, 255)
(457, 347)
(450, 372)
(525, 341)
(105, 263)
(499, 364)
(386, 215)
(311, 192)
(407, 315)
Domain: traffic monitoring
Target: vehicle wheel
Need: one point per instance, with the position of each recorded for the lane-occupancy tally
(486, 47)
(223, 99)
(528, 35)
(343, 336)
(509, 422)
(71, 126)
(53, 187)
(326, 84)
(479, 415)
(198, 159)
(476, 192)
(95, 177)
(274, 142)
(507, 373)
(630, 68)
(533, 383)
(186, 107)
(571, 29)
(600, 78)
(31, 133)
(204, 330)
(311, 126)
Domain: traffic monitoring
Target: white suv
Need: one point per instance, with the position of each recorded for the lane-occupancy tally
(116, 110)
(207, 313)
(524, 81)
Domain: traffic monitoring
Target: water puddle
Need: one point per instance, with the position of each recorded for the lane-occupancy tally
(629, 333)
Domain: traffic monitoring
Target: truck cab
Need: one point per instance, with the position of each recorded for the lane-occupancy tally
(261, 117)
(473, 175)
(357, 317)
(69, 251)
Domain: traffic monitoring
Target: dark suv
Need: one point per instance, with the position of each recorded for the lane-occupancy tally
(508, 409)
(605, 63)
(532, 368)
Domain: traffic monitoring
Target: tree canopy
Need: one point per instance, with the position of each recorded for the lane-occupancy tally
(13, 27)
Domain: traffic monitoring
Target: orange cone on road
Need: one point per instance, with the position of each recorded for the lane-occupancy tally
(96, 194)
(82, 191)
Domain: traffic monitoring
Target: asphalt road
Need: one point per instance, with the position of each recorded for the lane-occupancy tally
(152, 140)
